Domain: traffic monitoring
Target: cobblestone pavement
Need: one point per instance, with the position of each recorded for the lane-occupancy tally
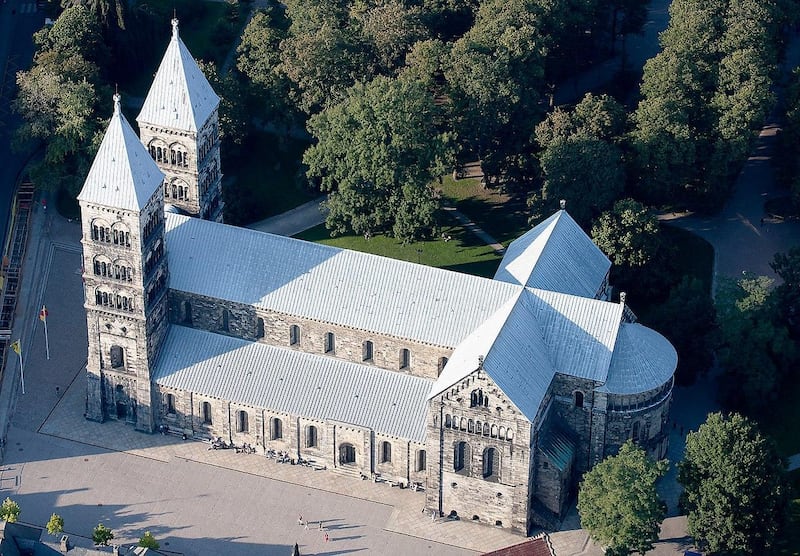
(189, 497)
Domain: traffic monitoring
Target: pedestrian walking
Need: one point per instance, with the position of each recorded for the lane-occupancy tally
(433, 515)
(58, 392)
(326, 536)
(306, 524)
(300, 519)
(320, 525)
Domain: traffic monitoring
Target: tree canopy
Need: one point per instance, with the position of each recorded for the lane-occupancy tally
(628, 234)
(9, 511)
(618, 503)
(102, 535)
(735, 490)
(377, 152)
(55, 525)
(756, 351)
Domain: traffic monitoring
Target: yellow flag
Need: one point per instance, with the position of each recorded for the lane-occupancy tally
(16, 347)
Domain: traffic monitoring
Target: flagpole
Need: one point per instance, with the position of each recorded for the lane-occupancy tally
(21, 370)
(46, 341)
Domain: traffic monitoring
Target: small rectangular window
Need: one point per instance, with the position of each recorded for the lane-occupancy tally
(330, 343)
(405, 358)
(366, 351)
(294, 335)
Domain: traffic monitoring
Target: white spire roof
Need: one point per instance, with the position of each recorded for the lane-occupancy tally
(180, 96)
(123, 175)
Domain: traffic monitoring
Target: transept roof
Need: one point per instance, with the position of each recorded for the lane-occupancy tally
(555, 255)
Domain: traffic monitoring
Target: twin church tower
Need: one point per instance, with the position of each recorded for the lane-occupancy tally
(175, 161)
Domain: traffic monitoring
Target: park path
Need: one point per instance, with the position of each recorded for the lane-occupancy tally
(744, 237)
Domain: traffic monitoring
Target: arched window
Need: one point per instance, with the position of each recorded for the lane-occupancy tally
(330, 343)
(366, 351)
(578, 398)
(347, 454)
(206, 413)
(171, 404)
(486, 429)
(259, 327)
(494, 431)
(294, 335)
(635, 431)
(187, 313)
(421, 460)
(470, 426)
(456, 420)
(312, 440)
(447, 421)
(502, 434)
(117, 357)
(441, 365)
(490, 463)
(276, 428)
(226, 318)
(405, 359)
(461, 458)
(386, 452)
(241, 421)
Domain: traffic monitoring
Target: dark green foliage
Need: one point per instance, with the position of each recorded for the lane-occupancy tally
(628, 234)
(101, 535)
(148, 541)
(704, 96)
(618, 502)
(60, 98)
(688, 320)
(787, 266)
(377, 153)
(735, 489)
(756, 350)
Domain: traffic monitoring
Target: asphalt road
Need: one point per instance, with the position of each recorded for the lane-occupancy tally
(18, 21)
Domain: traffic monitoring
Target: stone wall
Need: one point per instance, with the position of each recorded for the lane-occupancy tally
(188, 418)
(644, 419)
(243, 322)
(458, 451)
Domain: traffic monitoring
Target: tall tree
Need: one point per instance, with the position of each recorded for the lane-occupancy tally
(391, 29)
(585, 171)
(756, 350)
(787, 267)
(688, 320)
(618, 502)
(628, 234)
(376, 153)
(9, 511)
(497, 69)
(102, 535)
(735, 490)
(55, 526)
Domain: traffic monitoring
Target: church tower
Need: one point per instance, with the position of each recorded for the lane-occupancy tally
(125, 275)
(179, 126)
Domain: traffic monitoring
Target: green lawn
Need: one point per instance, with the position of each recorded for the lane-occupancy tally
(463, 253)
(262, 180)
(500, 216)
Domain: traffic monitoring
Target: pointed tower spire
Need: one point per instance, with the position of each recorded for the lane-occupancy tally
(122, 176)
(179, 125)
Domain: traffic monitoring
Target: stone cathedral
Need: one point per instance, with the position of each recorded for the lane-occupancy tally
(494, 395)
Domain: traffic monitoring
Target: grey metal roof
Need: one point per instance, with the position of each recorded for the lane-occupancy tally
(180, 97)
(315, 281)
(579, 332)
(555, 255)
(559, 447)
(643, 360)
(294, 382)
(514, 356)
(123, 175)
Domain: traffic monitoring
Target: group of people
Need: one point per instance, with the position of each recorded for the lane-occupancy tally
(304, 523)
